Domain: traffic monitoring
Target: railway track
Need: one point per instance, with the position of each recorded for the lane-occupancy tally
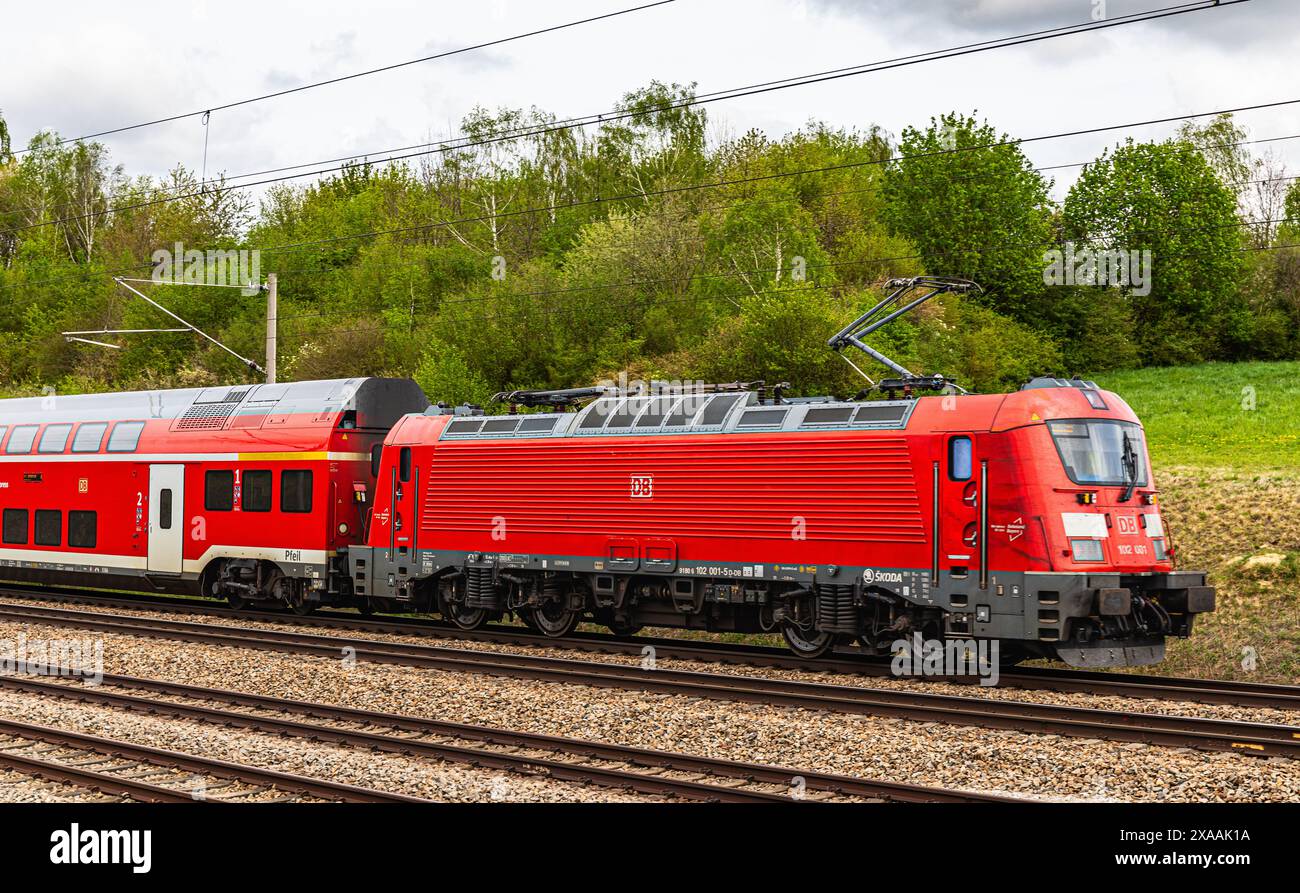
(1258, 739)
(588, 762)
(1205, 691)
(135, 771)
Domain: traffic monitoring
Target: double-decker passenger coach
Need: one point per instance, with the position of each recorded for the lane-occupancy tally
(245, 492)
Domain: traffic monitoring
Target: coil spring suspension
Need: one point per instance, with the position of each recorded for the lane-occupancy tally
(552, 591)
(480, 590)
(836, 612)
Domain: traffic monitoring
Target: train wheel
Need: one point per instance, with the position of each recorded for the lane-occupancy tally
(553, 619)
(237, 602)
(302, 609)
(461, 616)
(623, 628)
(805, 645)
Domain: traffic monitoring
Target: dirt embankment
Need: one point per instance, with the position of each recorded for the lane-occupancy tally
(1245, 530)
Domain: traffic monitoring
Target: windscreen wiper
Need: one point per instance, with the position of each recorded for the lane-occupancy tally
(1130, 463)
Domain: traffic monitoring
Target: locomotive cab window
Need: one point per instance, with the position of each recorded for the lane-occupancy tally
(125, 437)
(960, 459)
(218, 490)
(1101, 451)
(54, 439)
(22, 438)
(88, 437)
(295, 491)
(403, 471)
(15, 527)
(48, 529)
(376, 456)
(257, 491)
(82, 530)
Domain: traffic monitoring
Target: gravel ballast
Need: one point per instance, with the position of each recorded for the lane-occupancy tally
(898, 750)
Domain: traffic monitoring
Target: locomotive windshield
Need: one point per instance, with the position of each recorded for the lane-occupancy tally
(1098, 451)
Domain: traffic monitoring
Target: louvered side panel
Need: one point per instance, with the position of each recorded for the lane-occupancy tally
(855, 488)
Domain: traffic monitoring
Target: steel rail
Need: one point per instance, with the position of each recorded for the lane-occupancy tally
(1206, 691)
(1258, 739)
(285, 781)
(641, 757)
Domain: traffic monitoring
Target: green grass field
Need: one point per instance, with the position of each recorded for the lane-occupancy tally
(1202, 415)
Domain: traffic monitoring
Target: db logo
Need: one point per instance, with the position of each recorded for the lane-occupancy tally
(643, 486)
(1127, 525)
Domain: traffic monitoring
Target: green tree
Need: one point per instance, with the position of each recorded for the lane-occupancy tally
(447, 377)
(972, 204)
(1166, 198)
(5, 155)
(1291, 229)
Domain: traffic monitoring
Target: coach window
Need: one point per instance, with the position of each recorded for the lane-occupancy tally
(295, 491)
(15, 527)
(81, 530)
(54, 439)
(88, 437)
(48, 528)
(125, 436)
(404, 464)
(3, 429)
(219, 491)
(22, 438)
(257, 491)
(960, 459)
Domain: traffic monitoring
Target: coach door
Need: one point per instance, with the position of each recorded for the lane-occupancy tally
(166, 518)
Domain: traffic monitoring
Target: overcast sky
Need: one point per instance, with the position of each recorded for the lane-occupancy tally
(89, 66)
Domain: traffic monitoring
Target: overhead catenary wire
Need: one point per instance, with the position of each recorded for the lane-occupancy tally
(583, 121)
(359, 74)
(717, 184)
(765, 87)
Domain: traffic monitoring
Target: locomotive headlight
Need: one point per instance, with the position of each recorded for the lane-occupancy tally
(1087, 550)
(1158, 547)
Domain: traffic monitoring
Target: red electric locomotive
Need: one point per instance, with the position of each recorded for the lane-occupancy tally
(241, 492)
(1030, 518)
